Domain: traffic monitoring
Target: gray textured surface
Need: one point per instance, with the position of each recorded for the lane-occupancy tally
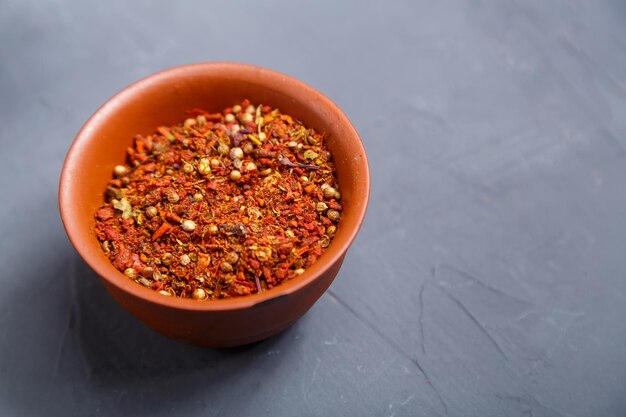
(489, 277)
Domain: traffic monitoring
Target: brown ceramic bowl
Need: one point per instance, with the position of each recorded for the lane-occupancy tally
(163, 99)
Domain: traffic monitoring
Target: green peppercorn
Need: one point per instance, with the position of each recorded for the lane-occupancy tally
(130, 273)
(235, 175)
(172, 196)
(145, 282)
(151, 211)
(236, 153)
(188, 225)
(120, 170)
(226, 267)
(185, 260)
(147, 272)
(187, 168)
(246, 118)
(223, 149)
(329, 192)
(199, 294)
(321, 206)
(248, 148)
(333, 215)
(166, 259)
(232, 257)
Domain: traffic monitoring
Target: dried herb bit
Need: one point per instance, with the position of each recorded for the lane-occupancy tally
(220, 205)
(238, 229)
(124, 206)
(286, 162)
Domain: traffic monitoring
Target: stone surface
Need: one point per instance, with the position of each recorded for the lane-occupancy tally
(488, 278)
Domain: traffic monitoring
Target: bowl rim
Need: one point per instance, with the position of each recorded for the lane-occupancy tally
(77, 234)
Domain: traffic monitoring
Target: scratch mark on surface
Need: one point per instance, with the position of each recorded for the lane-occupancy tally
(315, 369)
(528, 400)
(64, 337)
(74, 297)
(405, 402)
(305, 391)
(480, 283)
(501, 140)
(561, 329)
(429, 381)
(142, 358)
(420, 317)
(402, 404)
(615, 142)
(475, 320)
(120, 395)
(588, 60)
(393, 345)
(554, 410)
(521, 400)
(70, 318)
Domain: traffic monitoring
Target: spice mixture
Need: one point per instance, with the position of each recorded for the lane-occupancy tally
(223, 205)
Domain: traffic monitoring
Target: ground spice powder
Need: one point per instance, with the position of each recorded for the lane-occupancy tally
(222, 205)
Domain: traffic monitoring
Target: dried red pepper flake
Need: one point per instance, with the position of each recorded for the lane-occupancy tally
(221, 205)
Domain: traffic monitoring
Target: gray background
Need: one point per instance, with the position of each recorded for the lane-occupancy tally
(488, 279)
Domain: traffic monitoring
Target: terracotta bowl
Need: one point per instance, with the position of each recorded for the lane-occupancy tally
(163, 99)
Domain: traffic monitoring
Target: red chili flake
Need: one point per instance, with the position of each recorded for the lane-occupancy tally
(105, 213)
(163, 229)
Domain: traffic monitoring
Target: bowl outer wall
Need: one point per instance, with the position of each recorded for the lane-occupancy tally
(162, 99)
(227, 328)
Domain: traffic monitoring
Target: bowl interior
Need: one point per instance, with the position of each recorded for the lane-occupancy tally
(163, 99)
